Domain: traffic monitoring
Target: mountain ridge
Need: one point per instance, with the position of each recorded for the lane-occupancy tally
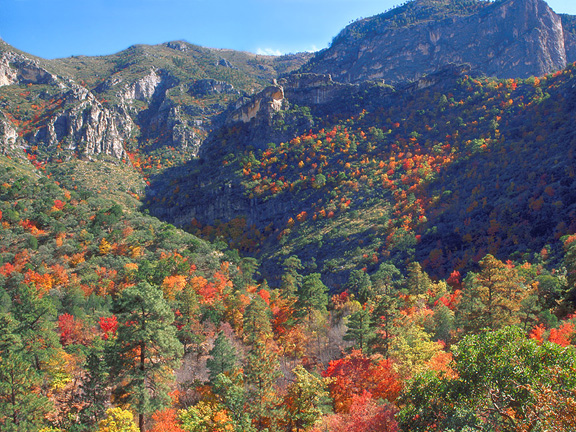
(506, 39)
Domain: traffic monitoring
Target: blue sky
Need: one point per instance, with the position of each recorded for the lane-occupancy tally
(61, 28)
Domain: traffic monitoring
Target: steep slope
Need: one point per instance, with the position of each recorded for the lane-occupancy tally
(146, 97)
(443, 170)
(506, 39)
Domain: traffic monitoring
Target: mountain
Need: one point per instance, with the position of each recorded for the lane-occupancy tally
(443, 170)
(145, 96)
(505, 39)
(267, 247)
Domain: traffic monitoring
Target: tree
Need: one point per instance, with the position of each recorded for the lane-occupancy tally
(223, 357)
(303, 399)
(145, 350)
(356, 373)
(232, 394)
(503, 381)
(359, 329)
(493, 297)
(291, 280)
(313, 295)
(365, 415)
(22, 406)
(417, 281)
(261, 372)
(118, 420)
(257, 320)
(94, 388)
(360, 284)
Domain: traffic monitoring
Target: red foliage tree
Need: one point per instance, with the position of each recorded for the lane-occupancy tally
(108, 325)
(355, 374)
(71, 330)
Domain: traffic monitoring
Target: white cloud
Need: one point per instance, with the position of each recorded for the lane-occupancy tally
(268, 51)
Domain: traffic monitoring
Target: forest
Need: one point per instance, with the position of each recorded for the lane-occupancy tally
(393, 259)
(113, 320)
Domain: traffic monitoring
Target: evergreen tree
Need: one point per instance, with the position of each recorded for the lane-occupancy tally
(417, 281)
(22, 406)
(303, 399)
(384, 315)
(94, 389)
(359, 283)
(493, 297)
(291, 278)
(313, 294)
(261, 372)
(232, 392)
(359, 329)
(223, 357)
(145, 350)
(257, 320)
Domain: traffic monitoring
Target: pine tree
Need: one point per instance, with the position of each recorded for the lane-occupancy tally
(223, 357)
(291, 278)
(303, 399)
(257, 320)
(359, 329)
(22, 406)
(359, 283)
(145, 350)
(313, 294)
(493, 297)
(94, 389)
(261, 372)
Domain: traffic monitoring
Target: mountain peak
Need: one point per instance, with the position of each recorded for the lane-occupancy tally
(507, 39)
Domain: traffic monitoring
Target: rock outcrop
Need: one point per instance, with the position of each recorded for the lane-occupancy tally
(507, 39)
(264, 104)
(208, 87)
(8, 135)
(85, 126)
(18, 69)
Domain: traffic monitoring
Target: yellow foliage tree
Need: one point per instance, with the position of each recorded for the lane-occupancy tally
(104, 247)
(118, 420)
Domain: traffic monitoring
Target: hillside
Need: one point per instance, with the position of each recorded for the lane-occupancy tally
(443, 172)
(205, 240)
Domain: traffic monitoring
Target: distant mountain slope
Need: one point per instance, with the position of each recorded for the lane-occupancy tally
(144, 97)
(506, 39)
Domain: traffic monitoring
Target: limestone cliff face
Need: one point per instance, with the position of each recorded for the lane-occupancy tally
(262, 105)
(18, 69)
(507, 39)
(85, 126)
(8, 135)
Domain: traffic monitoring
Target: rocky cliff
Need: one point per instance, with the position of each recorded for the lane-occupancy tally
(81, 123)
(507, 39)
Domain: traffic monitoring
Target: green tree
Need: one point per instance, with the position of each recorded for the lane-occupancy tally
(359, 329)
(417, 282)
(359, 283)
(231, 390)
(291, 278)
(223, 357)
(257, 320)
(492, 297)
(313, 294)
(146, 349)
(95, 389)
(22, 406)
(261, 372)
(504, 381)
(303, 400)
